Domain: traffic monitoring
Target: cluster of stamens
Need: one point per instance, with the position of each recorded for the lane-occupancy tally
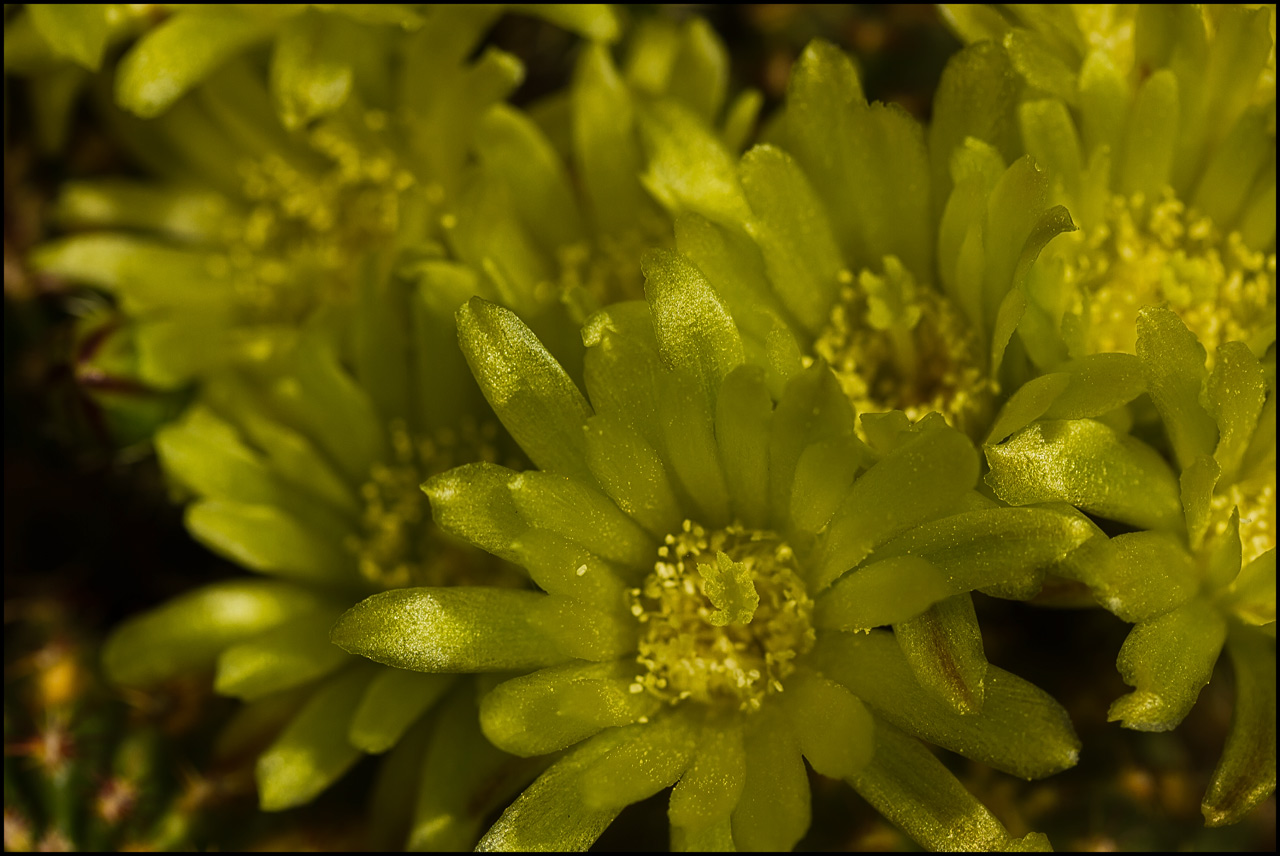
(1144, 255)
(926, 358)
(724, 615)
(397, 547)
(306, 226)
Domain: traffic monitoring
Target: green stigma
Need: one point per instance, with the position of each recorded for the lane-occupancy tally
(724, 615)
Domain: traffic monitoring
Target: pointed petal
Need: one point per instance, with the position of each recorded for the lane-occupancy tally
(462, 629)
(833, 727)
(532, 395)
(708, 791)
(463, 779)
(1002, 548)
(552, 814)
(581, 513)
(633, 474)
(649, 757)
(918, 481)
(1173, 363)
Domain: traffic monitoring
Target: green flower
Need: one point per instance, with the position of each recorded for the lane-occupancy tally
(1200, 573)
(1158, 127)
(558, 211)
(713, 557)
(909, 288)
(311, 478)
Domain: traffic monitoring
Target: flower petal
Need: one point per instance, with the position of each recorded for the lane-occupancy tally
(268, 539)
(1028, 404)
(568, 507)
(474, 502)
(773, 812)
(313, 751)
(554, 708)
(911, 788)
(394, 701)
(1146, 574)
(1087, 464)
(561, 567)
(552, 814)
(461, 629)
(1021, 730)
(1173, 363)
(1168, 660)
(1006, 549)
(813, 409)
(190, 631)
(918, 481)
(624, 372)
(834, 728)
(293, 653)
(605, 143)
(689, 169)
(633, 474)
(943, 646)
(882, 593)
(1146, 164)
(696, 335)
(744, 417)
(1099, 384)
(181, 52)
(1246, 775)
(794, 235)
(706, 794)
(533, 396)
(464, 779)
(649, 757)
(1253, 593)
(1236, 392)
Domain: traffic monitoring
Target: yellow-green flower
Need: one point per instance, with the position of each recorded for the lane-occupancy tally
(712, 560)
(1201, 572)
(311, 477)
(1157, 124)
(910, 289)
(559, 210)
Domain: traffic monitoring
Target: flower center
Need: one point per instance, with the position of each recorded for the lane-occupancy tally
(308, 226)
(896, 346)
(398, 546)
(1145, 255)
(723, 617)
(592, 277)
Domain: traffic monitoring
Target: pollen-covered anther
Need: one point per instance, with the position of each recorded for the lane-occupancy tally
(723, 617)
